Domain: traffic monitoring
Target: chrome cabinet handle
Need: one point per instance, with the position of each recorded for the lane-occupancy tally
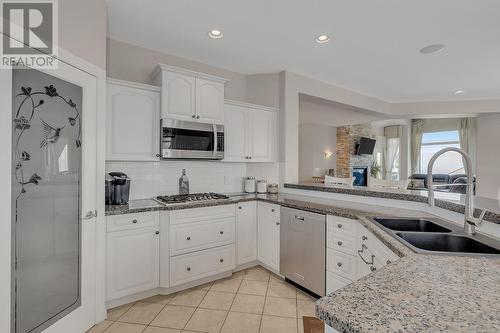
(388, 262)
(277, 223)
(373, 268)
(339, 264)
(90, 215)
(188, 238)
(157, 232)
(363, 248)
(239, 207)
(299, 218)
(364, 237)
(197, 117)
(188, 269)
(193, 116)
(158, 155)
(339, 225)
(134, 221)
(221, 260)
(221, 232)
(339, 243)
(273, 210)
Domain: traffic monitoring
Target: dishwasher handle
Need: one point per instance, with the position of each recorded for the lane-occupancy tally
(300, 218)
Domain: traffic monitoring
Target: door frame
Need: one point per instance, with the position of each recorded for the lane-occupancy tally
(6, 183)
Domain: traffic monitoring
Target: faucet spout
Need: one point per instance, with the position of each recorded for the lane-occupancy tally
(470, 221)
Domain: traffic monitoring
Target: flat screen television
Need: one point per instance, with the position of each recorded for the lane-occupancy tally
(366, 146)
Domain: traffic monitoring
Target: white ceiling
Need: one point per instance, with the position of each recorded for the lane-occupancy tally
(374, 48)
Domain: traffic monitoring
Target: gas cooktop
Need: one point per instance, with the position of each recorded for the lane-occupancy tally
(194, 197)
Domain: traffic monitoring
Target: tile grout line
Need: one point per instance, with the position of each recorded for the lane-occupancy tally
(196, 308)
(239, 286)
(263, 307)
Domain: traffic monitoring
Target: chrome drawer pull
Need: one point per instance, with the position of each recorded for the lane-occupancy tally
(339, 225)
(221, 232)
(134, 221)
(273, 210)
(373, 268)
(188, 238)
(277, 223)
(363, 247)
(299, 218)
(340, 243)
(157, 232)
(239, 207)
(339, 264)
(221, 260)
(188, 269)
(364, 237)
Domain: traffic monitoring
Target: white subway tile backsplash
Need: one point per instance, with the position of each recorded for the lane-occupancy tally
(150, 179)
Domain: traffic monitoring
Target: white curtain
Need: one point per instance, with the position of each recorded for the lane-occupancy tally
(391, 156)
(416, 144)
(463, 132)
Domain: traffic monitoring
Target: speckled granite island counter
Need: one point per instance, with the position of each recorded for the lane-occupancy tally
(417, 293)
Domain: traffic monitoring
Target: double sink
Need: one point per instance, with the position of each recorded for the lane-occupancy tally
(436, 236)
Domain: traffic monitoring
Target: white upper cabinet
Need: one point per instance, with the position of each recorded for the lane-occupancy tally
(209, 101)
(178, 96)
(236, 133)
(132, 121)
(250, 132)
(190, 96)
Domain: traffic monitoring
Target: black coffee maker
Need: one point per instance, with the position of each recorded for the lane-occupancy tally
(117, 188)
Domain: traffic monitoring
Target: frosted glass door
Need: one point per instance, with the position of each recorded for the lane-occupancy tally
(46, 194)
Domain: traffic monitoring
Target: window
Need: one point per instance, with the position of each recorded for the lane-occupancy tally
(448, 163)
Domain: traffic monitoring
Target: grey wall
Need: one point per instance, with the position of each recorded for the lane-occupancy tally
(82, 29)
(488, 155)
(314, 141)
(134, 63)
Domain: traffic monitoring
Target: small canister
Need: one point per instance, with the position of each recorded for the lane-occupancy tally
(262, 186)
(272, 188)
(250, 185)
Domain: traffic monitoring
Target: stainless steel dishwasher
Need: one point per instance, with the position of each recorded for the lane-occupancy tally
(302, 249)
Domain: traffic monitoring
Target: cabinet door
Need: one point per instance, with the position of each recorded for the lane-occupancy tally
(178, 97)
(132, 262)
(132, 124)
(261, 133)
(209, 101)
(246, 238)
(236, 134)
(268, 238)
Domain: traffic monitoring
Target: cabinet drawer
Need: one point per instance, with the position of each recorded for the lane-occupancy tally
(197, 265)
(341, 264)
(132, 221)
(347, 245)
(201, 235)
(269, 209)
(342, 226)
(335, 282)
(201, 214)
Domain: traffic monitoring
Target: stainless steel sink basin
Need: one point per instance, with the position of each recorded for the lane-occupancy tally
(411, 224)
(447, 243)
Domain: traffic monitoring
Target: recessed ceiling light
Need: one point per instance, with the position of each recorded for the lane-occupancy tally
(433, 48)
(215, 34)
(321, 39)
(459, 92)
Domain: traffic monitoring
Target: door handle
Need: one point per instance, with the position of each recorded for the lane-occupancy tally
(90, 215)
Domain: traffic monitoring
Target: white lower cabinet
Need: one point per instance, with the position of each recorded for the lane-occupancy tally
(132, 261)
(268, 217)
(352, 252)
(246, 234)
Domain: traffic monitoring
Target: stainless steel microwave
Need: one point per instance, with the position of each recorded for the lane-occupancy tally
(191, 140)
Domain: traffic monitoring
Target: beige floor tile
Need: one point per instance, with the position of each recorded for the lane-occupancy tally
(252, 287)
(141, 313)
(173, 316)
(241, 323)
(189, 298)
(189, 332)
(278, 325)
(99, 328)
(282, 307)
(276, 279)
(205, 286)
(248, 303)
(281, 290)
(125, 328)
(238, 275)
(257, 273)
(115, 313)
(306, 308)
(227, 285)
(152, 329)
(217, 300)
(161, 299)
(303, 295)
(205, 320)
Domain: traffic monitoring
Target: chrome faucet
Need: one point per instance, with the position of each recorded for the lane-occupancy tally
(470, 222)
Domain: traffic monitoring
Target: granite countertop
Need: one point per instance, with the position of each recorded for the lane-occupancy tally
(417, 293)
(446, 200)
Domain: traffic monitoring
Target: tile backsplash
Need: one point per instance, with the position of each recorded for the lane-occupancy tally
(150, 179)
